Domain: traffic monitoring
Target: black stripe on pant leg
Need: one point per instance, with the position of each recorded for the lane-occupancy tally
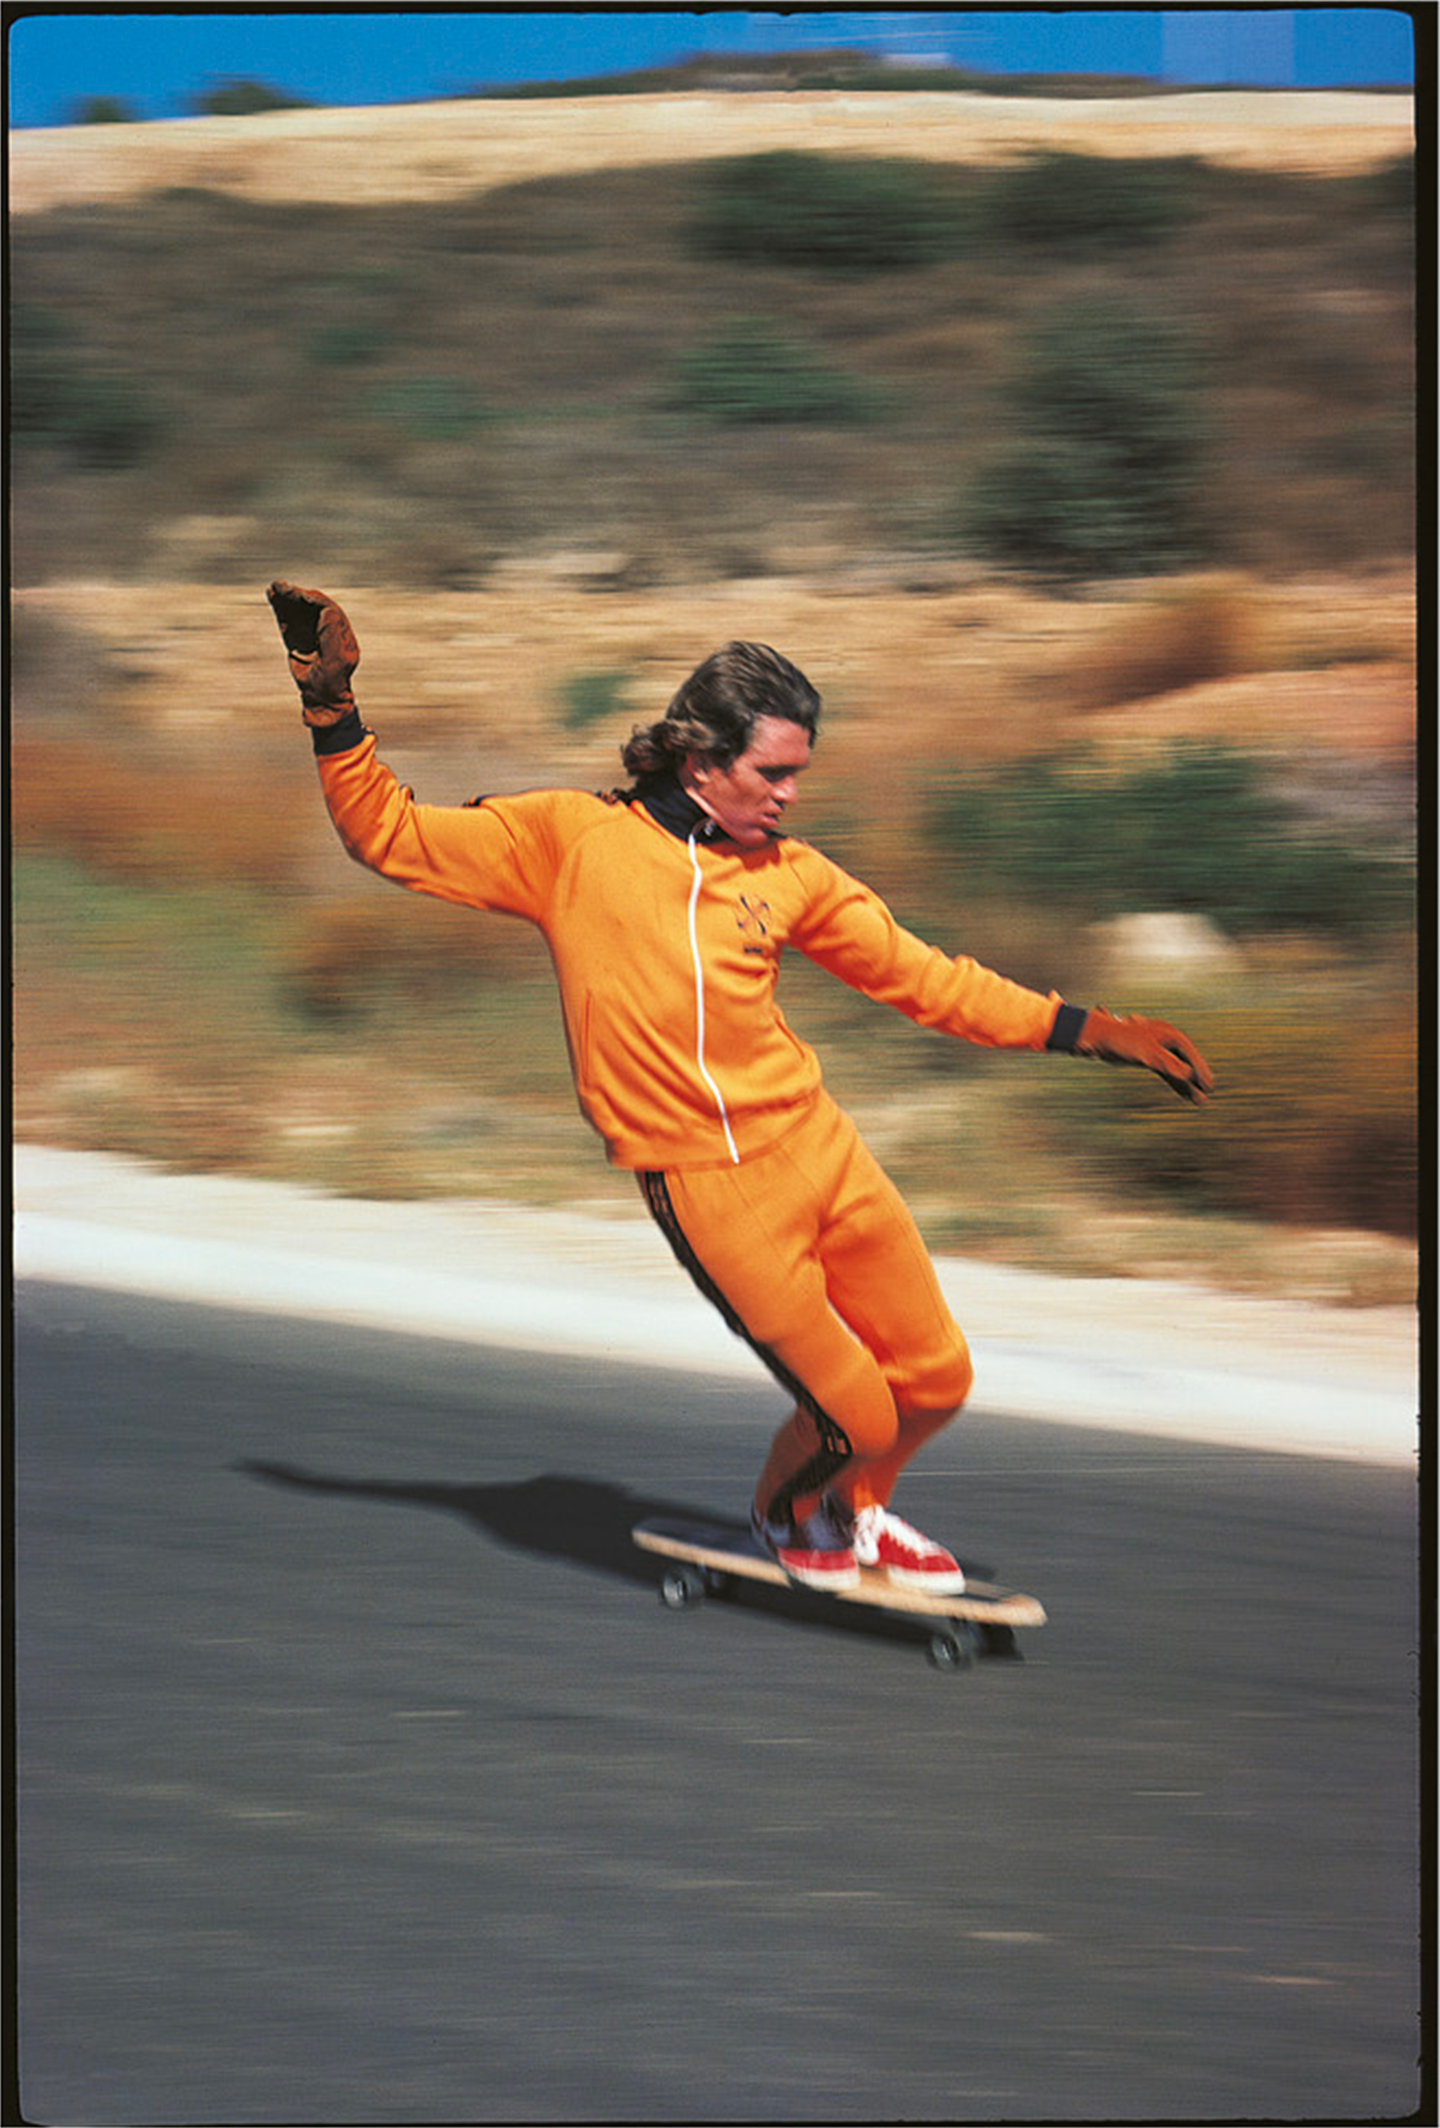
(835, 1450)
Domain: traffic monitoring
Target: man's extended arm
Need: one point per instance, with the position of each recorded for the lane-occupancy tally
(850, 931)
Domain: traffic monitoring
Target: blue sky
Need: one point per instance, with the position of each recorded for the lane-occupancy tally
(159, 60)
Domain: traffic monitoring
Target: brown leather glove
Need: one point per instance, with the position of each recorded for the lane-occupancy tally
(1151, 1044)
(322, 650)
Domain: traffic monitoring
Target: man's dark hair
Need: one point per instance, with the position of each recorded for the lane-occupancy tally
(715, 711)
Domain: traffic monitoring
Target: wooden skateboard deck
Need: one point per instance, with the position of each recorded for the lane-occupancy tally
(707, 1554)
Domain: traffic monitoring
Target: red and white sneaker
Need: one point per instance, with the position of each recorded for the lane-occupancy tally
(814, 1552)
(882, 1540)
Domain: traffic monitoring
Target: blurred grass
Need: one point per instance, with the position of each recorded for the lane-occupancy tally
(435, 398)
(415, 390)
(195, 998)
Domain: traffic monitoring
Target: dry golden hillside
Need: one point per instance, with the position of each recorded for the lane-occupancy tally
(434, 151)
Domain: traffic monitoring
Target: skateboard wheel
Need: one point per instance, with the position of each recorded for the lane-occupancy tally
(948, 1652)
(680, 1587)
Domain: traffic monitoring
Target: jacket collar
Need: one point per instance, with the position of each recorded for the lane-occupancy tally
(676, 811)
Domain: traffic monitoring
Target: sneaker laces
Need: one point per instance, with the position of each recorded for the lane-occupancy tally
(871, 1523)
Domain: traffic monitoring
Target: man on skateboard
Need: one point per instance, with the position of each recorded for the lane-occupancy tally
(666, 906)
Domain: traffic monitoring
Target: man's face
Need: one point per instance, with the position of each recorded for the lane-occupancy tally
(747, 800)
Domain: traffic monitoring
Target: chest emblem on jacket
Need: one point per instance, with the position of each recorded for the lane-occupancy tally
(752, 918)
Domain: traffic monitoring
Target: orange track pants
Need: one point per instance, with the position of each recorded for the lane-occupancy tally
(810, 1253)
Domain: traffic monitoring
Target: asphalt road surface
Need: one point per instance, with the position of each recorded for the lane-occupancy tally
(362, 1777)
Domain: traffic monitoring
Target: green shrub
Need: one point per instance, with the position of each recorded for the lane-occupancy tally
(1068, 203)
(791, 208)
(1101, 472)
(436, 409)
(104, 111)
(591, 697)
(752, 374)
(100, 417)
(1390, 188)
(1200, 829)
(346, 344)
(239, 98)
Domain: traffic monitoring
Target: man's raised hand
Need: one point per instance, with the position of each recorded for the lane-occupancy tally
(321, 647)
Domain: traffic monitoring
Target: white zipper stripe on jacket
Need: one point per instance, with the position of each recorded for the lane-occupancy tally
(716, 1094)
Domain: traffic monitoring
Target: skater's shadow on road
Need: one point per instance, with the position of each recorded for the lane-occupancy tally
(578, 1519)
(584, 1522)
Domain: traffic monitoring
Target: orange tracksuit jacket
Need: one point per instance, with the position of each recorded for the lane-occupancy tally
(667, 952)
